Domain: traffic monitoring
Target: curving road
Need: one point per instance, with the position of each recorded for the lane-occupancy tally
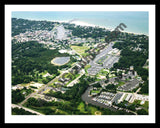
(27, 109)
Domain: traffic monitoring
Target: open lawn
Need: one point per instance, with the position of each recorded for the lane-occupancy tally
(146, 105)
(120, 83)
(103, 72)
(80, 49)
(49, 110)
(124, 97)
(98, 113)
(82, 107)
(87, 67)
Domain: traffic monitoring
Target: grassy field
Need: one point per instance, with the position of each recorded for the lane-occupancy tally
(81, 107)
(145, 105)
(80, 49)
(87, 67)
(53, 110)
(120, 83)
(125, 97)
(95, 91)
(85, 109)
(103, 72)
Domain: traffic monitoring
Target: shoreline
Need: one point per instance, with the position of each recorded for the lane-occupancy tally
(82, 23)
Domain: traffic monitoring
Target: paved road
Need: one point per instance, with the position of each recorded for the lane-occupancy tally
(32, 94)
(27, 109)
(76, 80)
(42, 88)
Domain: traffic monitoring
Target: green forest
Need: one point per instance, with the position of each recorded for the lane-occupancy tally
(71, 103)
(136, 58)
(23, 25)
(31, 58)
(83, 32)
(19, 95)
(21, 111)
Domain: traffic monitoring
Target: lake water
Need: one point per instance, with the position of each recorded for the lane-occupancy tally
(136, 21)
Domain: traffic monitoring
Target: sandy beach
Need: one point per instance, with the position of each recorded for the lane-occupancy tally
(82, 23)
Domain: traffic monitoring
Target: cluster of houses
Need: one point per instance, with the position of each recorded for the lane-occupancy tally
(108, 98)
(61, 33)
(32, 84)
(63, 81)
(129, 86)
(95, 68)
(91, 56)
(67, 77)
(97, 49)
(18, 86)
(75, 40)
(104, 98)
(81, 64)
(41, 36)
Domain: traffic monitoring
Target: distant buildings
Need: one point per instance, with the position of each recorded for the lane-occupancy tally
(129, 86)
(105, 59)
(42, 36)
(108, 98)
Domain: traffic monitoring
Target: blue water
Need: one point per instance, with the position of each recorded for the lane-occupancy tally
(136, 21)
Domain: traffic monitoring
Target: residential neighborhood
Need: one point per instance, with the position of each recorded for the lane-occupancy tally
(72, 68)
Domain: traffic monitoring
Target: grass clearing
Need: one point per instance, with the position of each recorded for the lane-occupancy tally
(80, 49)
(81, 107)
(92, 110)
(124, 97)
(103, 72)
(120, 83)
(146, 105)
(98, 113)
(85, 109)
(87, 67)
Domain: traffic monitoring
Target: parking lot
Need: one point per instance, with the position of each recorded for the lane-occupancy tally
(117, 97)
(104, 98)
(108, 63)
(129, 86)
(94, 70)
(88, 99)
(103, 60)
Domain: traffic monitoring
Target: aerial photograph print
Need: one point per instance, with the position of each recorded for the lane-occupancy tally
(79, 63)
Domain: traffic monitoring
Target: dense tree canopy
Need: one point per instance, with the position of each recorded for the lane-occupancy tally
(72, 94)
(134, 54)
(23, 25)
(31, 58)
(21, 111)
(86, 32)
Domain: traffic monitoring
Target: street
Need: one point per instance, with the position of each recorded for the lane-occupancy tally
(27, 109)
